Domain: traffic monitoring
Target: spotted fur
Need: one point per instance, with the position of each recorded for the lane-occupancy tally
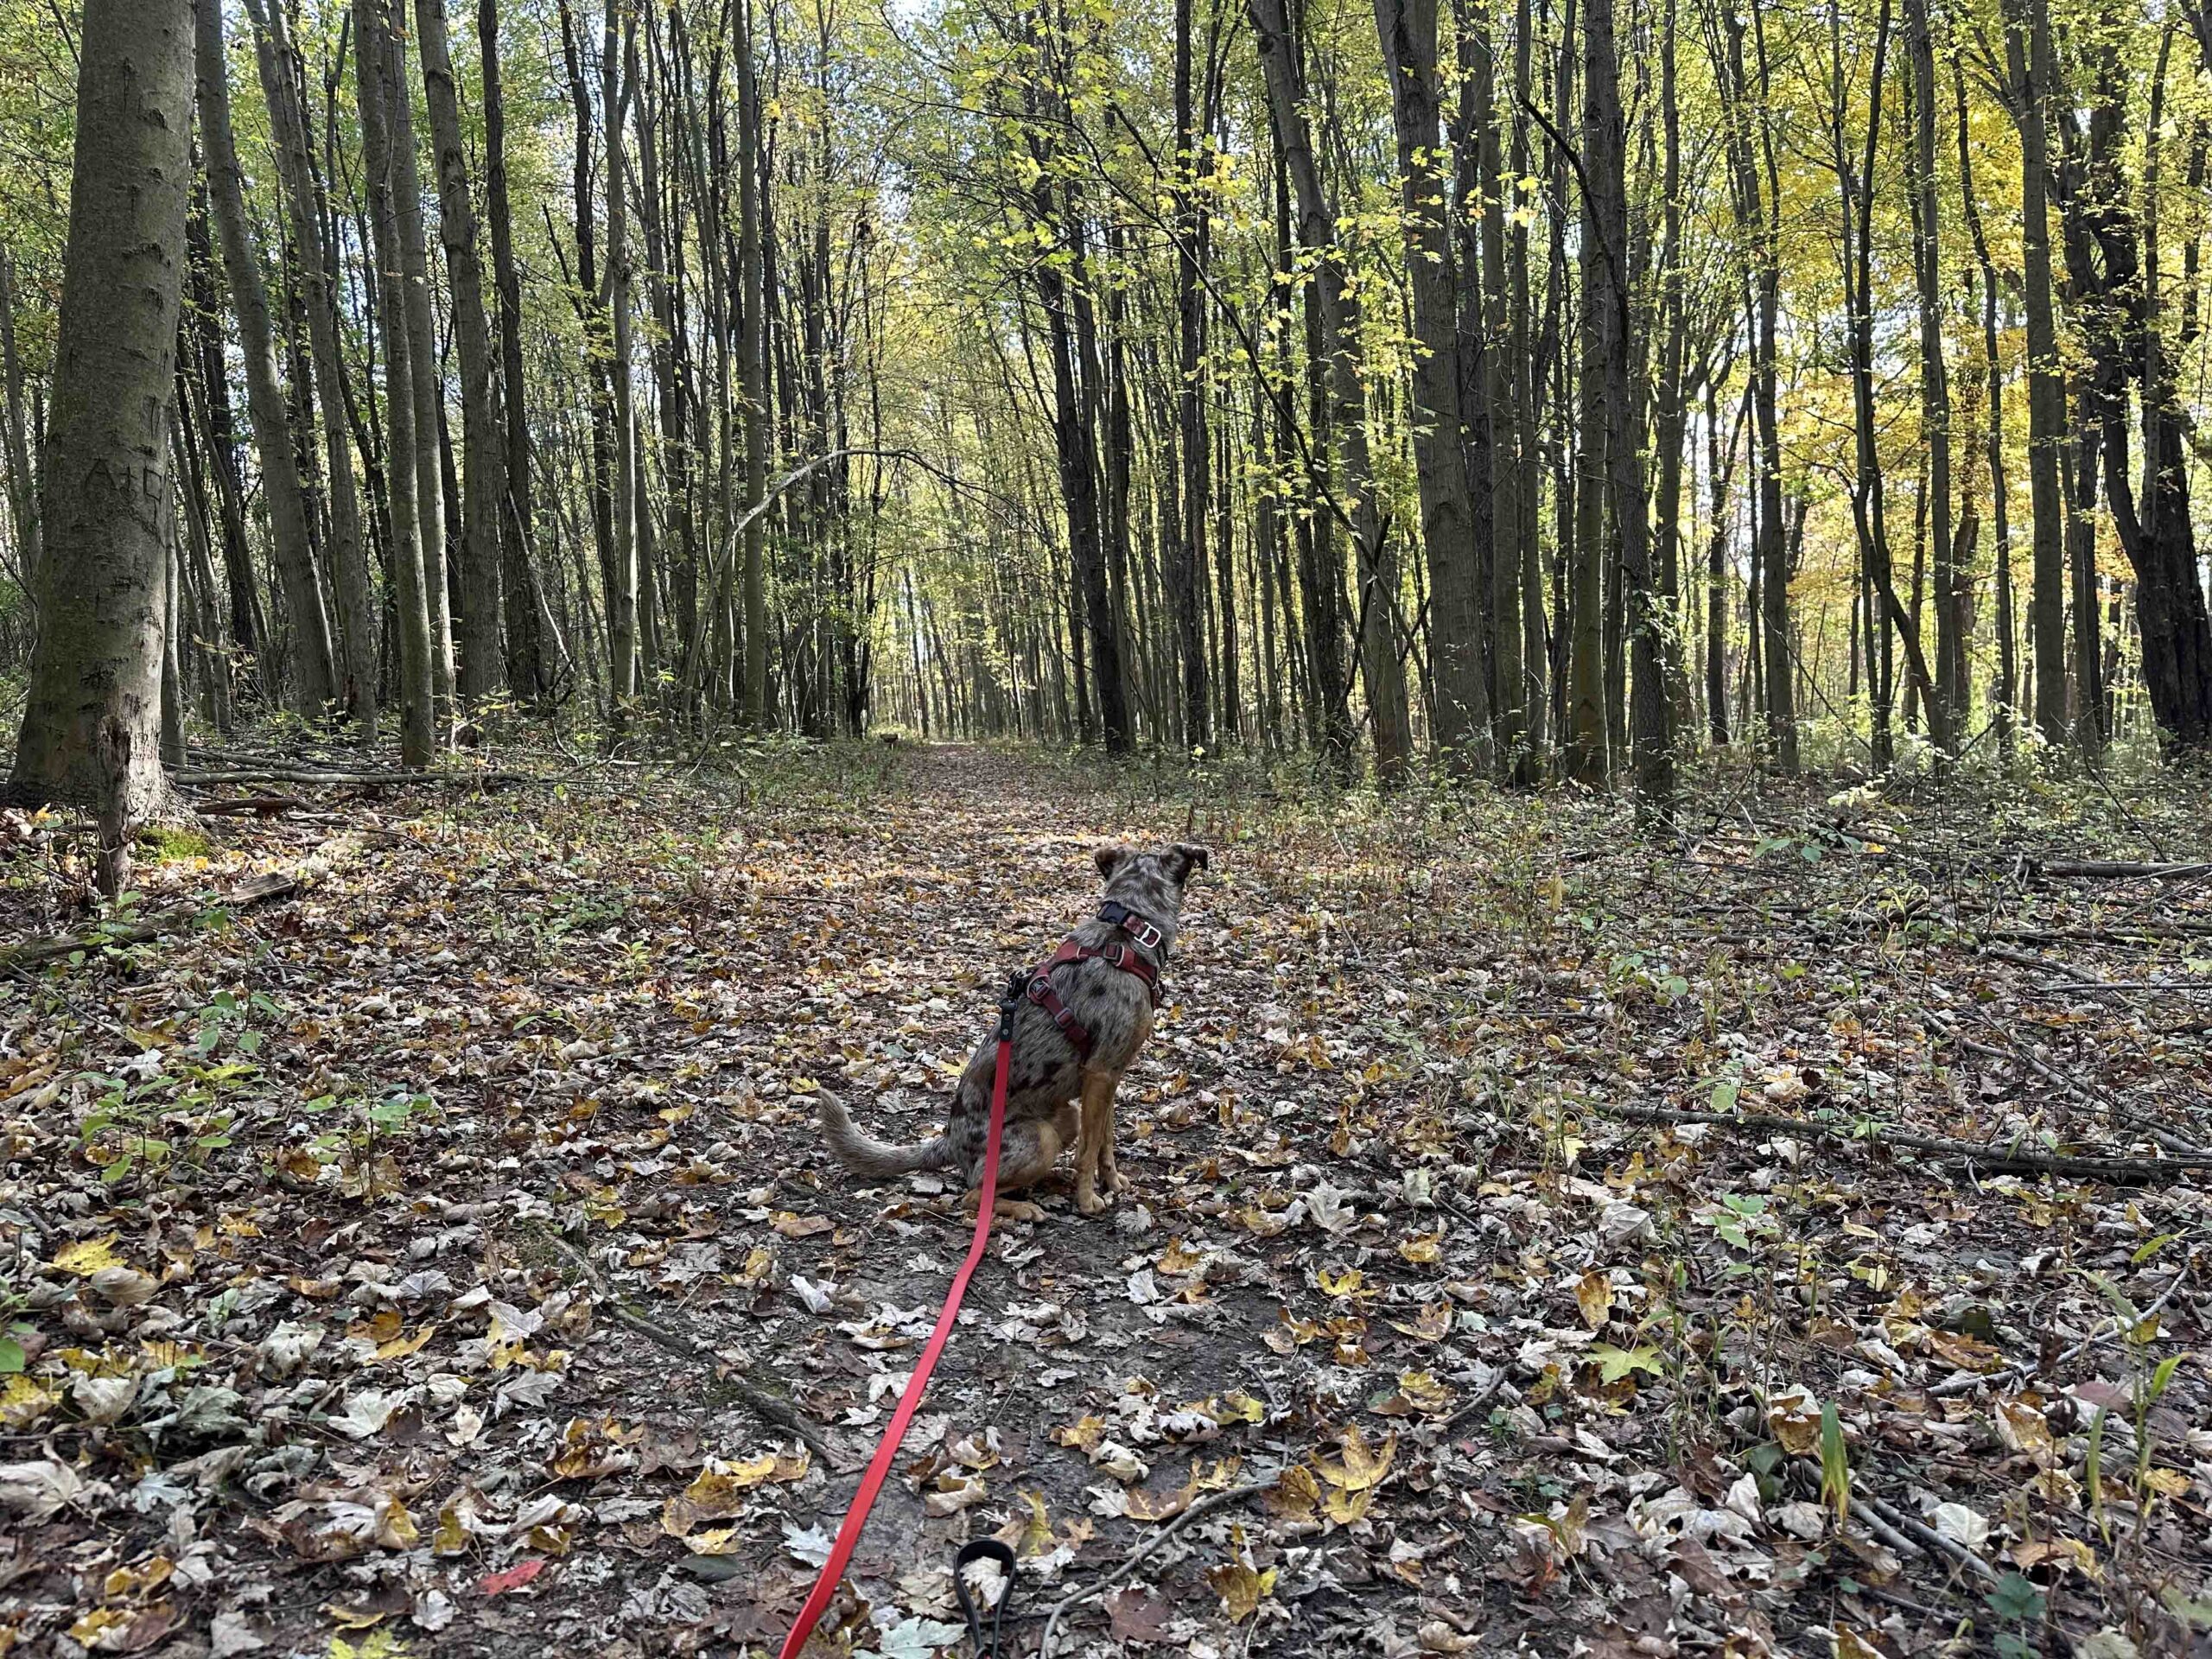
(1045, 1077)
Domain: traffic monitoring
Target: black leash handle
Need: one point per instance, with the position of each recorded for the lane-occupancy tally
(983, 1549)
(1017, 988)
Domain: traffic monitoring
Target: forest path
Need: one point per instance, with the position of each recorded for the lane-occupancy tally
(1540, 1374)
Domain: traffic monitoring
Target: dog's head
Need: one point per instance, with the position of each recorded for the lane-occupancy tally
(1149, 880)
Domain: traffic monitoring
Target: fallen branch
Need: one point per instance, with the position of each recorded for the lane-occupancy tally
(1912, 1527)
(760, 1401)
(2117, 1170)
(167, 919)
(1206, 1505)
(280, 775)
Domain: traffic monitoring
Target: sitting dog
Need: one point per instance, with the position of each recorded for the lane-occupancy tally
(1086, 1011)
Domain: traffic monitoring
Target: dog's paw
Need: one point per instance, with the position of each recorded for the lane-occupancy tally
(1018, 1209)
(1117, 1181)
(1088, 1201)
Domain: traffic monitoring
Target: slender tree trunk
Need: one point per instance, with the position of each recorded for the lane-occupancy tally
(349, 567)
(93, 717)
(15, 427)
(481, 665)
(1947, 702)
(379, 90)
(272, 433)
(1462, 734)
(1338, 314)
(752, 365)
(418, 339)
(2028, 43)
(1650, 748)
(525, 653)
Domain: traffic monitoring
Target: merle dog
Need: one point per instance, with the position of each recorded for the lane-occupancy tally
(1073, 1041)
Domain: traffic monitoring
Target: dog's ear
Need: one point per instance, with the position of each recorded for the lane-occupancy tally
(1184, 857)
(1110, 858)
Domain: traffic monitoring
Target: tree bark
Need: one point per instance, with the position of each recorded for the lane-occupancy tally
(378, 89)
(272, 433)
(1461, 734)
(92, 720)
(349, 562)
(1650, 748)
(483, 468)
(1337, 313)
(525, 647)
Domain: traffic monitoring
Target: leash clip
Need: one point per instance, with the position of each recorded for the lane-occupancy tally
(1000, 1555)
(1017, 988)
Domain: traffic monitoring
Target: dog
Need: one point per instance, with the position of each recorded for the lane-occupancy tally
(1086, 1013)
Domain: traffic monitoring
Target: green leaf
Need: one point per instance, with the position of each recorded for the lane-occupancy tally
(11, 1357)
(1614, 1363)
(2017, 1600)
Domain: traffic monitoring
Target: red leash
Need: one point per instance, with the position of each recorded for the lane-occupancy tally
(848, 1530)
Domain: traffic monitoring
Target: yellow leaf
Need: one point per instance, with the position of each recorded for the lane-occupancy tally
(1432, 1324)
(1178, 1260)
(718, 1493)
(1241, 1589)
(716, 1541)
(1343, 1507)
(1031, 1534)
(23, 1402)
(353, 1618)
(1594, 1293)
(1340, 1282)
(1363, 1467)
(400, 1347)
(1423, 1249)
(381, 1644)
(451, 1537)
(1238, 1408)
(1084, 1435)
(87, 1256)
(1262, 1224)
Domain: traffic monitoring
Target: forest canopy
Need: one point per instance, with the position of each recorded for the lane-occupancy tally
(1559, 387)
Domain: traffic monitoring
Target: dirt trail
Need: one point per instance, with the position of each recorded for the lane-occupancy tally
(1541, 1374)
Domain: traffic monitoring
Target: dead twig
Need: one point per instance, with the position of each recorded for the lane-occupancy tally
(757, 1400)
(1206, 1505)
(1914, 1527)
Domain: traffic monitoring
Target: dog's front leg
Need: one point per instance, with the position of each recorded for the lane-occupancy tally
(1094, 1147)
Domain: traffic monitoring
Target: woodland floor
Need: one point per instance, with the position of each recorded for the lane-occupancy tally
(329, 1223)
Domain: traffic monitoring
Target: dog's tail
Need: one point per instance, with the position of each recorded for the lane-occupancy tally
(875, 1158)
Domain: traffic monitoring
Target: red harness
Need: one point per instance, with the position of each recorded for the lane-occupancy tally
(1121, 955)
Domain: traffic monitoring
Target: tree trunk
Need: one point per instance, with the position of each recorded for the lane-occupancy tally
(272, 433)
(2028, 44)
(752, 365)
(15, 429)
(1188, 565)
(1337, 310)
(419, 338)
(378, 88)
(93, 716)
(483, 462)
(1462, 734)
(525, 651)
(349, 565)
(1947, 699)
(1650, 748)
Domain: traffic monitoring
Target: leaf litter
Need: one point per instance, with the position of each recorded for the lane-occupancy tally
(1526, 1247)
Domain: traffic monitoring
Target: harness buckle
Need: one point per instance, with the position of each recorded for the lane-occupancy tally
(1142, 930)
